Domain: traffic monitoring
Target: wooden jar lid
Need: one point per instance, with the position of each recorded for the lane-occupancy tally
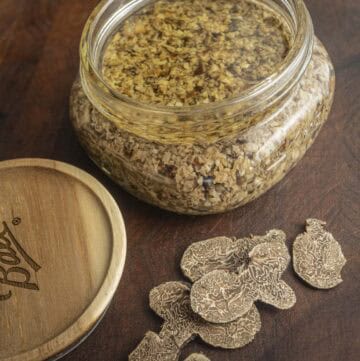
(62, 253)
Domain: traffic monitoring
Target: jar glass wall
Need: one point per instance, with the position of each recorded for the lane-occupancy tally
(203, 158)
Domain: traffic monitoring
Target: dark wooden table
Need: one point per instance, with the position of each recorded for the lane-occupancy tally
(38, 62)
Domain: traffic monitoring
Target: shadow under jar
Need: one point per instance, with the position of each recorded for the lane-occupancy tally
(201, 106)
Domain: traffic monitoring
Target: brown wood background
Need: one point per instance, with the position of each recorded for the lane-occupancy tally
(38, 62)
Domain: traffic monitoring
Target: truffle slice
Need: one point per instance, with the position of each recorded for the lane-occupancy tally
(317, 256)
(154, 348)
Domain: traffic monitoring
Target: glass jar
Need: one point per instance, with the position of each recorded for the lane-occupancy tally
(203, 158)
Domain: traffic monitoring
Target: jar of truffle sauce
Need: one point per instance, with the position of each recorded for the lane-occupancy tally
(200, 106)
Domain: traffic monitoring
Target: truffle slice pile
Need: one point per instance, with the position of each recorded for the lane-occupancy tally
(228, 276)
(171, 301)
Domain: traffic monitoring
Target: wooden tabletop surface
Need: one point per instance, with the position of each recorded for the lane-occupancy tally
(38, 62)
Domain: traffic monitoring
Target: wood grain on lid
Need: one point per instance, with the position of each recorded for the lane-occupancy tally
(62, 253)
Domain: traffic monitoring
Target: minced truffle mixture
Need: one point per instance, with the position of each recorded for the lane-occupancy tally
(188, 52)
(214, 176)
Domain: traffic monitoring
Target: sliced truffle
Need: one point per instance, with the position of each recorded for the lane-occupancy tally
(317, 256)
(222, 253)
(222, 296)
(154, 348)
(203, 257)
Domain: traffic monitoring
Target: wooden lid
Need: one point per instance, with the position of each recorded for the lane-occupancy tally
(62, 253)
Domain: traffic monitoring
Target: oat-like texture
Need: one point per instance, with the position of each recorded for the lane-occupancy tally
(221, 296)
(197, 357)
(171, 301)
(317, 256)
(183, 52)
(224, 171)
(222, 253)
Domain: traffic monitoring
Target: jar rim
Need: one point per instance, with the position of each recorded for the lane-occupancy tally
(288, 74)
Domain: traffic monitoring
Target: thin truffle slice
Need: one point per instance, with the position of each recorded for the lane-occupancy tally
(154, 348)
(197, 357)
(222, 253)
(222, 296)
(171, 301)
(212, 254)
(317, 256)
